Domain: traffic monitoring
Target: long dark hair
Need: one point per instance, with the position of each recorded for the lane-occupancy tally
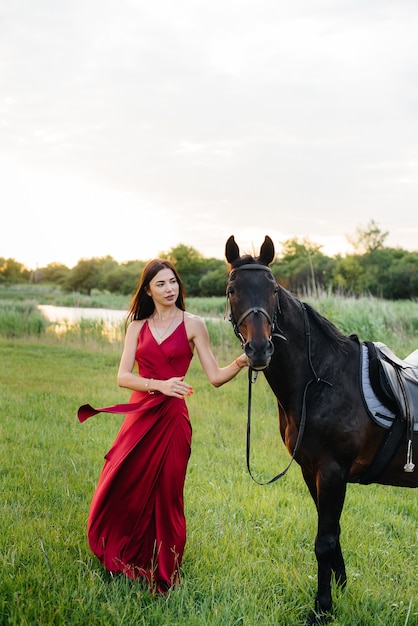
(142, 305)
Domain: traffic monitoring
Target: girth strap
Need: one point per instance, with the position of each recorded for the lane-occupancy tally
(384, 455)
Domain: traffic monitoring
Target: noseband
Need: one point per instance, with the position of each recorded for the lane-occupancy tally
(254, 310)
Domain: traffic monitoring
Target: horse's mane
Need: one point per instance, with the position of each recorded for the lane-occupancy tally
(335, 337)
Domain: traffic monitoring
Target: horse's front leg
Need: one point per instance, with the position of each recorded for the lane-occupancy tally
(328, 489)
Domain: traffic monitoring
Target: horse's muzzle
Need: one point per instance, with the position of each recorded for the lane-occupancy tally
(259, 355)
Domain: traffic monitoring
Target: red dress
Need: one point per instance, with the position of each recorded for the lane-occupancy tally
(136, 523)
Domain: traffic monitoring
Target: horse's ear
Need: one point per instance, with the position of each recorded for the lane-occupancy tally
(231, 250)
(266, 251)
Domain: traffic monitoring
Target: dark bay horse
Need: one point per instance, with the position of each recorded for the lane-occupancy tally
(313, 370)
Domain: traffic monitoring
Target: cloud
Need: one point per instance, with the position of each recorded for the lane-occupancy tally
(216, 113)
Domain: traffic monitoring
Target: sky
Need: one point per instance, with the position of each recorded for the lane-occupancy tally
(128, 127)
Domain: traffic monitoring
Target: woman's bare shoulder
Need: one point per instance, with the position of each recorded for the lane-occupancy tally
(195, 325)
(190, 317)
(134, 327)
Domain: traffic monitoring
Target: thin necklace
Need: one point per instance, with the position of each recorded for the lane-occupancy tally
(161, 336)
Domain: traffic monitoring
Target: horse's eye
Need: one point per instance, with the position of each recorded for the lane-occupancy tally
(231, 291)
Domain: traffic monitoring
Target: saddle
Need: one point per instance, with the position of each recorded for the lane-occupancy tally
(395, 381)
(390, 393)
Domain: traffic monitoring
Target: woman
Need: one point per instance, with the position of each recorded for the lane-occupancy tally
(136, 524)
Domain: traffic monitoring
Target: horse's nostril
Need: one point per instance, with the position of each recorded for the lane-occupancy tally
(261, 352)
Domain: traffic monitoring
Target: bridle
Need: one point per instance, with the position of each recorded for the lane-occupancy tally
(272, 321)
(252, 374)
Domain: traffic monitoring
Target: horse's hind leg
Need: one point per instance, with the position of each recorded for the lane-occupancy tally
(328, 491)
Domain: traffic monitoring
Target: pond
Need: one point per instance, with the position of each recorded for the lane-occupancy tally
(71, 315)
(99, 323)
(75, 314)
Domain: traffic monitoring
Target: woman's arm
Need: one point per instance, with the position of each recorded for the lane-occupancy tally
(198, 333)
(126, 378)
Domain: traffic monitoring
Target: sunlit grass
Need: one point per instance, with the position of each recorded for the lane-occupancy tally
(249, 555)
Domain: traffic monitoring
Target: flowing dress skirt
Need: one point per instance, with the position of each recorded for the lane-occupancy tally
(136, 523)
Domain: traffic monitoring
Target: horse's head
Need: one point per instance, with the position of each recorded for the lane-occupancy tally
(252, 294)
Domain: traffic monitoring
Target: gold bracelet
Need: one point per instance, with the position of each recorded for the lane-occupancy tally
(147, 384)
(237, 364)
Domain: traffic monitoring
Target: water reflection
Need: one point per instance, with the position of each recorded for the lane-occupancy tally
(85, 322)
(98, 323)
(75, 314)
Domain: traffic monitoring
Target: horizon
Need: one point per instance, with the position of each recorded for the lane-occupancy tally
(129, 128)
(249, 249)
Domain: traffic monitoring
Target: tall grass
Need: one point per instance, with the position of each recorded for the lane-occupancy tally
(20, 318)
(393, 323)
(249, 556)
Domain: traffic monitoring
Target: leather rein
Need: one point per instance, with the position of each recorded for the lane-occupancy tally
(252, 373)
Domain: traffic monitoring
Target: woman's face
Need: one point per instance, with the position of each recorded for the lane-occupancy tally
(164, 288)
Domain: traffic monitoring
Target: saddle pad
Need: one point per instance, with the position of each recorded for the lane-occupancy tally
(380, 413)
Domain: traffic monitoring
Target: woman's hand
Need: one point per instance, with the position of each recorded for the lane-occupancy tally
(242, 360)
(176, 387)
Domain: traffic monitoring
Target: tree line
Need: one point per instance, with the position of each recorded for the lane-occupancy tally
(301, 267)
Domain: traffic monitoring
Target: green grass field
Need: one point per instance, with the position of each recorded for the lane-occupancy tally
(249, 557)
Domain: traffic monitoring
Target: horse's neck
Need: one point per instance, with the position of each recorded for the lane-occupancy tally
(289, 366)
(293, 321)
(314, 350)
